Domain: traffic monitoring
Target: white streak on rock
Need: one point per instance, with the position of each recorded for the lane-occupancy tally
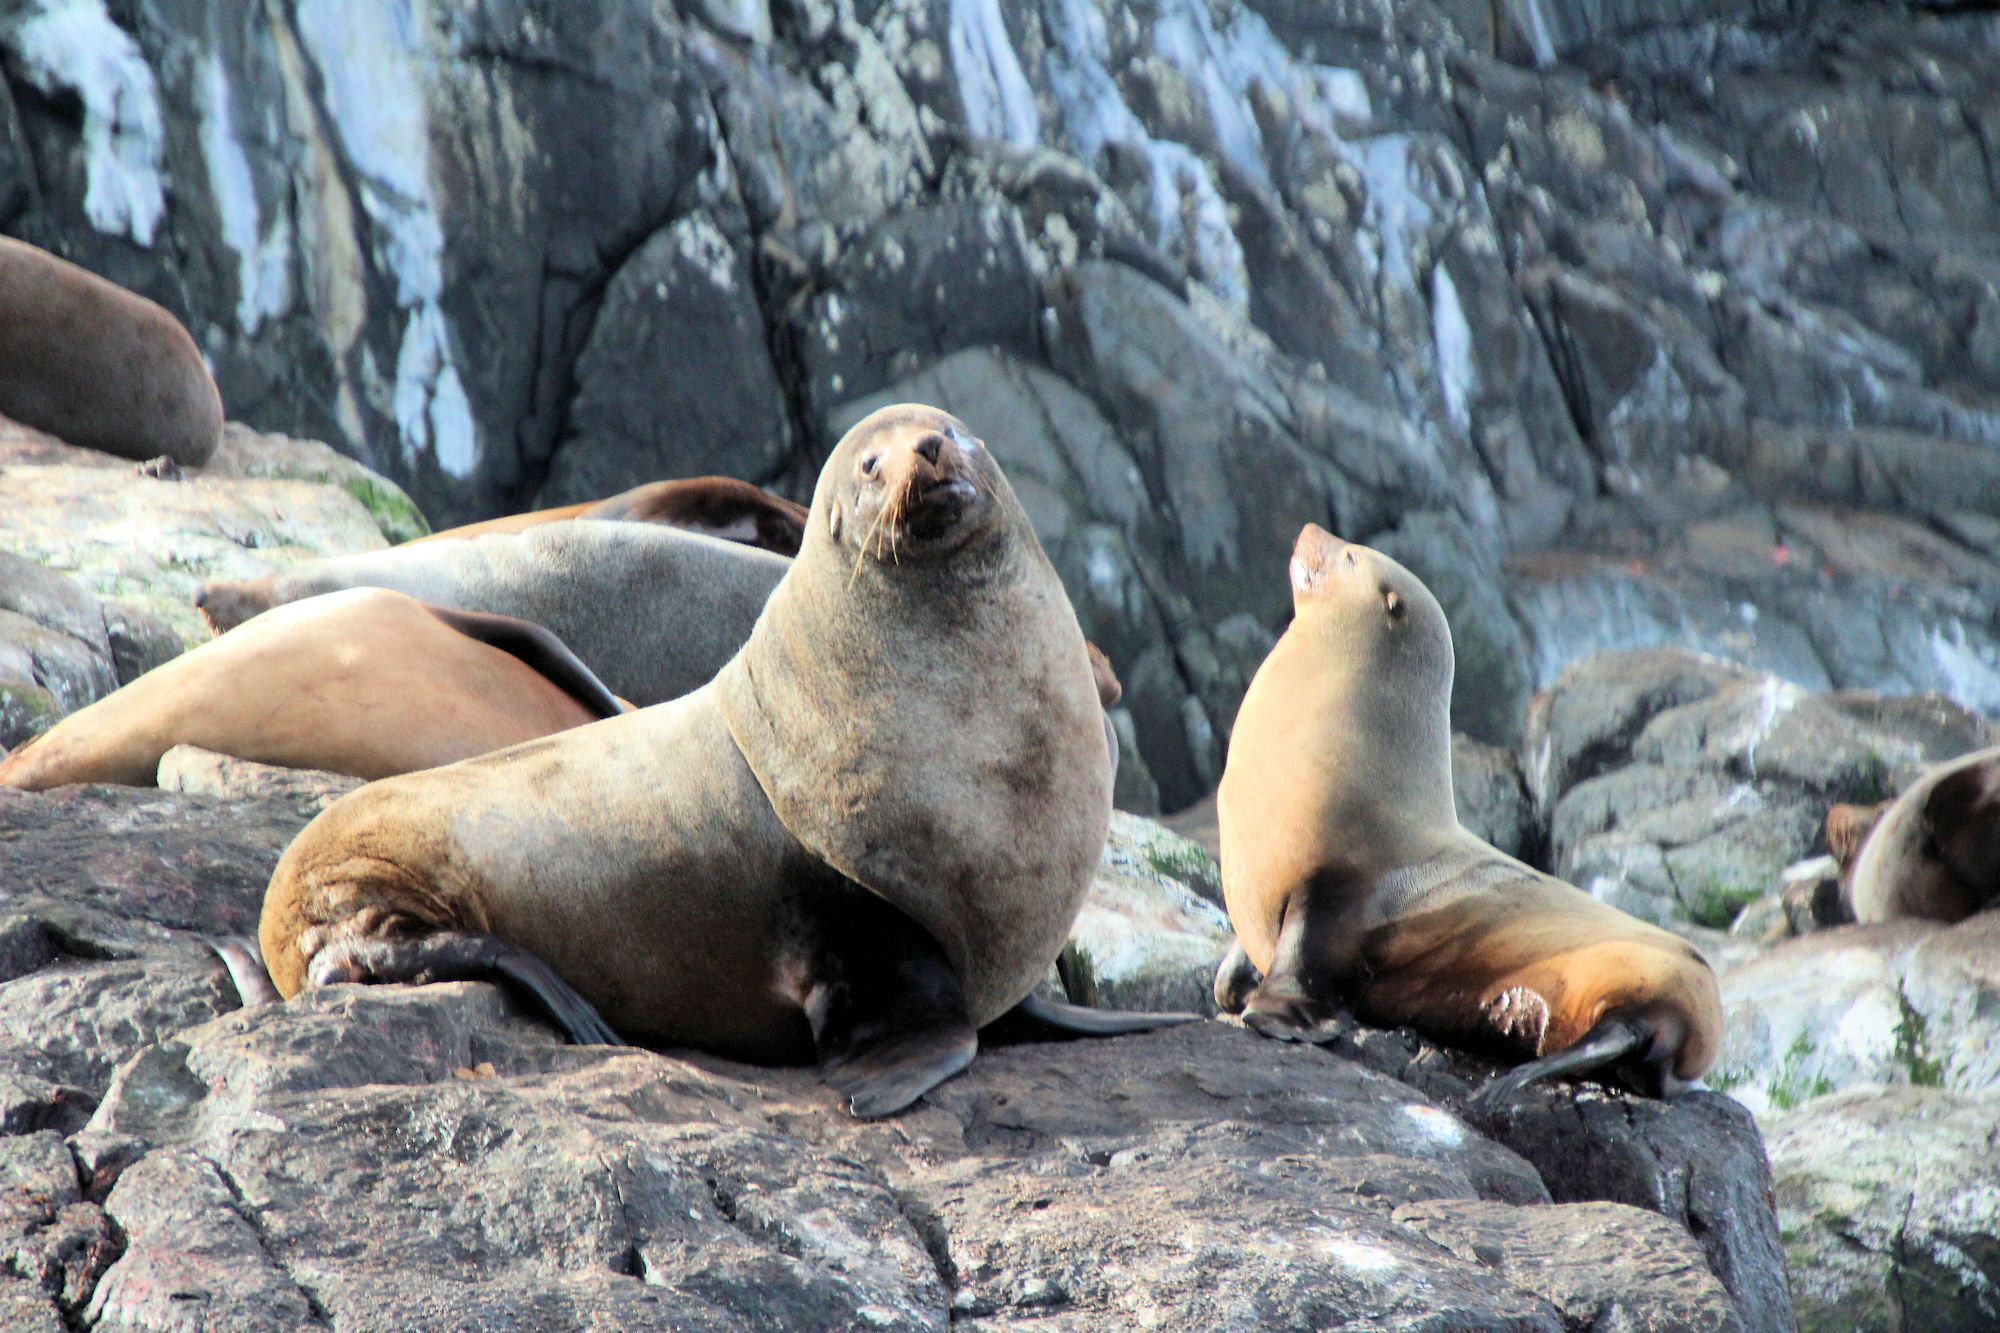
(73, 44)
(1398, 212)
(1970, 675)
(371, 70)
(263, 262)
(1452, 336)
(999, 101)
(432, 411)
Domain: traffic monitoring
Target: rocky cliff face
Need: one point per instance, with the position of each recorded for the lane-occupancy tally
(1622, 324)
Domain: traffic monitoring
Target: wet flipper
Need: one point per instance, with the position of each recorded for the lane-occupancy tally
(1039, 1019)
(1235, 979)
(1611, 1042)
(886, 1010)
(540, 650)
(463, 955)
(239, 953)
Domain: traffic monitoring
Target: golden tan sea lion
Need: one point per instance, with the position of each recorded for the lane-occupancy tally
(653, 610)
(98, 366)
(365, 682)
(1932, 853)
(1351, 884)
(720, 507)
(864, 841)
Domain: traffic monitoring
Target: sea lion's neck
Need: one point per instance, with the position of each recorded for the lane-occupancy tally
(1392, 740)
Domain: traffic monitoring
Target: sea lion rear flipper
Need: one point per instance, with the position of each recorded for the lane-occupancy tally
(886, 1009)
(1611, 1041)
(540, 650)
(1039, 1019)
(464, 955)
(1235, 979)
(245, 962)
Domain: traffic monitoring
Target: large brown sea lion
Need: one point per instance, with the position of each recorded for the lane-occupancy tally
(98, 366)
(720, 507)
(1932, 853)
(1351, 884)
(368, 682)
(864, 841)
(655, 611)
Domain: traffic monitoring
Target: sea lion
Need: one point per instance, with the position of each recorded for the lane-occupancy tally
(366, 682)
(720, 507)
(862, 842)
(98, 366)
(655, 611)
(1932, 853)
(1351, 883)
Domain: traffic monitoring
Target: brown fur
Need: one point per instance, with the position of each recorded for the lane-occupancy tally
(1336, 804)
(367, 682)
(98, 366)
(1934, 852)
(717, 506)
(903, 679)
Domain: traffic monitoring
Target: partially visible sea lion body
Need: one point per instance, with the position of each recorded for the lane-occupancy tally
(1932, 853)
(654, 611)
(1351, 884)
(367, 682)
(721, 507)
(98, 366)
(863, 841)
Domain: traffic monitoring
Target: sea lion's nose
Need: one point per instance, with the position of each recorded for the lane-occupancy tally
(929, 445)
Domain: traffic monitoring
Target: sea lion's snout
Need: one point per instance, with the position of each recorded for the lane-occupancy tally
(931, 483)
(1316, 556)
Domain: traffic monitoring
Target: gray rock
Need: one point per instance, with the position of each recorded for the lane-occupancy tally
(676, 379)
(503, 1171)
(1906, 1002)
(1151, 929)
(1886, 1197)
(1680, 788)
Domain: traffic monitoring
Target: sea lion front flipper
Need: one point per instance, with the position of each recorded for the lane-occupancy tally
(1039, 1019)
(1292, 1003)
(464, 955)
(245, 962)
(887, 1012)
(1610, 1042)
(1235, 978)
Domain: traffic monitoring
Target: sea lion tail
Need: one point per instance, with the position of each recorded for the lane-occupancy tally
(239, 953)
(1613, 1041)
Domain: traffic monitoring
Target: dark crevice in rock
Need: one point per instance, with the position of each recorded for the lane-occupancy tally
(932, 1230)
(578, 322)
(244, 1210)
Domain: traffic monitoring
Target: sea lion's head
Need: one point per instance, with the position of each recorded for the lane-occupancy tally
(1847, 828)
(1376, 615)
(224, 606)
(908, 484)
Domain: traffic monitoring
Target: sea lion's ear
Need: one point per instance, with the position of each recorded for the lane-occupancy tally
(833, 521)
(1393, 600)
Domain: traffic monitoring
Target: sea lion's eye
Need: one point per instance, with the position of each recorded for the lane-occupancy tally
(869, 464)
(1395, 604)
